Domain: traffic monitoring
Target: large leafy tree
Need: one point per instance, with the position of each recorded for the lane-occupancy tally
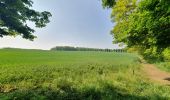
(150, 25)
(14, 15)
(141, 23)
(121, 10)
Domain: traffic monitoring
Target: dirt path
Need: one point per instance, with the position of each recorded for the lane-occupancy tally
(155, 74)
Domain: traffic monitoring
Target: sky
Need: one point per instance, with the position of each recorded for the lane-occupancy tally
(79, 23)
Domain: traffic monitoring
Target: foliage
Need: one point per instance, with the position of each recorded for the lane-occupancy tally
(166, 54)
(134, 49)
(144, 23)
(108, 3)
(15, 13)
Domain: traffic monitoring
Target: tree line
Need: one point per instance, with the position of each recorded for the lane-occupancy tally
(69, 48)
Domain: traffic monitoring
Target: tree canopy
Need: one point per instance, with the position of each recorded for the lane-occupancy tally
(15, 13)
(141, 23)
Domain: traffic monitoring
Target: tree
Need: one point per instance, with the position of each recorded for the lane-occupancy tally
(15, 13)
(142, 23)
(108, 3)
(121, 9)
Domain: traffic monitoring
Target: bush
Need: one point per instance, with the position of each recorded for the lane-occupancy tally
(166, 54)
(153, 55)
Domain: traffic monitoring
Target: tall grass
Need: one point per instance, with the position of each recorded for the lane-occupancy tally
(163, 66)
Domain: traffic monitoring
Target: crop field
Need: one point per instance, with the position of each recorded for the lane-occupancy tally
(74, 75)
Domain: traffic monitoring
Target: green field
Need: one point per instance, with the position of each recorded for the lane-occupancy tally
(52, 75)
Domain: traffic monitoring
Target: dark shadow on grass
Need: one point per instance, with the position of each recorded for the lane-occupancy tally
(108, 92)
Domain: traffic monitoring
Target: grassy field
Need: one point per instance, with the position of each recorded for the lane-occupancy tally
(52, 75)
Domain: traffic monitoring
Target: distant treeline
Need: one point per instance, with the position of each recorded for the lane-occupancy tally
(69, 48)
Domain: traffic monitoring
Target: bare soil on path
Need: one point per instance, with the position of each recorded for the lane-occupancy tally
(155, 74)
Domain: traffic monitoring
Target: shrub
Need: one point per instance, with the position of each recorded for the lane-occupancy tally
(166, 54)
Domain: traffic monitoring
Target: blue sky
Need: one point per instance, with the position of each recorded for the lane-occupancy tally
(82, 23)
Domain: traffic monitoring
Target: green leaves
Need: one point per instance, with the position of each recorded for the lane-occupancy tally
(144, 23)
(15, 13)
(108, 3)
